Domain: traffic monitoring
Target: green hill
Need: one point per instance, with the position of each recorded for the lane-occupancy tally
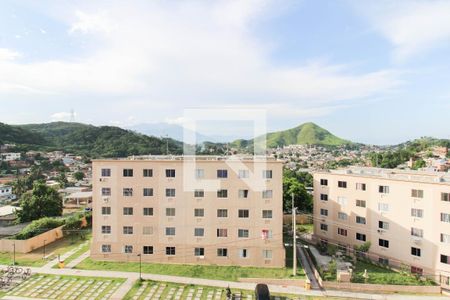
(305, 134)
(88, 140)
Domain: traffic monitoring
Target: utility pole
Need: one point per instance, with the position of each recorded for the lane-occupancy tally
(140, 266)
(294, 245)
(44, 250)
(14, 254)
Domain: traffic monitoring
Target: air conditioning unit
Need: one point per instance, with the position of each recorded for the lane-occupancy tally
(200, 257)
(417, 241)
(105, 199)
(103, 179)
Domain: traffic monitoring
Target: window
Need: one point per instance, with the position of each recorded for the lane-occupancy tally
(127, 172)
(445, 197)
(147, 249)
(383, 189)
(266, 234)
(170, 173)
(342, 201)
(445, 238)
(243, 193)
(148, 192)
(360, 220)
(222, 232)
(415, 251)
(222, 173)
(267, 254)
(170, 230)
(106, 229)
(147, 173)
(267, 174)
(324, 182)
(342, 231)
(324, 197)
(267, 214)
(127, 229)
(243, 233)
(243, 213)
(128, 249)
(199, 193)
(199, 212)
(106, 191)
(222, 252)
(106, 248)
(199, 252)
(127, 211)
(416, 193)
(383, 207)
(445, 217)
(106, 210)
(383, 243)
(342, 184)
(222, 213)
(199, 231)
(244, 174)
(361, 186)
(222, 193)
(383, 261)
(170, 211)
(416, 212)
(416, 270)
(199, 173)
(323, 227)
(324, 212)
(267, 194)
(170, 192)
(106, 172)
(342, 216)
(383, 225)
(147, 230)
(243, 253)
(445, 259)
(148, 211)
(128, 192)
(170, 250)
(416, 232)
(360, 237)
(361, 203)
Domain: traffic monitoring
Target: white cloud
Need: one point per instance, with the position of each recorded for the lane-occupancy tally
(174, 55)
(8, 54)
(412, 27)
(61, 116)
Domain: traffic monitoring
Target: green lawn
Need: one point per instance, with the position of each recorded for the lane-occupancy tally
(35, 258)
(232, 273)
(305, 228)
(381, 275)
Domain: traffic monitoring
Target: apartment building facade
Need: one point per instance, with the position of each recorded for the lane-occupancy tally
(198, 210)
(404, 214)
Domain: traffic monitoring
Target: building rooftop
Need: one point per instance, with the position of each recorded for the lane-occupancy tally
(192, 158)
(395, 174)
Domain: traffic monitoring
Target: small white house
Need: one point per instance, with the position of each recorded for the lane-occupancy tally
(5, 190)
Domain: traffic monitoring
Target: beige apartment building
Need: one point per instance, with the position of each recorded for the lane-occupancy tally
(190, 210)
(404, 214)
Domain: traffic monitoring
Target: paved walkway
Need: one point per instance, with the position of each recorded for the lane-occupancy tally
(63, 257)
(307, 267)
(79, 259)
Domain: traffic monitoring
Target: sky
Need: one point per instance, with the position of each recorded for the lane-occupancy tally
(375, 72)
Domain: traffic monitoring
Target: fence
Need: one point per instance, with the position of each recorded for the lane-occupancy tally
(26, 246)
(383, 288)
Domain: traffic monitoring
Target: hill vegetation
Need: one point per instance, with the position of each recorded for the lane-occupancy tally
(304, 134)
(85, 140)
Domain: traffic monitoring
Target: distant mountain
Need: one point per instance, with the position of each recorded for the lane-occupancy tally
(176, 132)
(305, 134)
(89, 140)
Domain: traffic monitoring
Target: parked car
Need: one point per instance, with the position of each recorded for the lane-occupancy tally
(262, 292)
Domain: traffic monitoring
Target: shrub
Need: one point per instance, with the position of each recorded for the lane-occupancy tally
(39, 226)
(73, 222)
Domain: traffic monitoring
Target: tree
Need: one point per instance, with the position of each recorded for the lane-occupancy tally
(62, 180)
(302, 200)
(420, 163)
(41, 201)
(78, 175)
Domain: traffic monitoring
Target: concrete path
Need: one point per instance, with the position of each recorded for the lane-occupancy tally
(79, 259)
(63, 257)
(307, 267)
